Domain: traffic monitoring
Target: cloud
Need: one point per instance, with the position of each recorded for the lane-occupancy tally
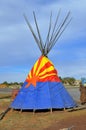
(18, 48)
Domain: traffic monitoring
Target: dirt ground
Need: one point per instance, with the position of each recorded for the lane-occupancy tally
(57, 120)
(74, 123)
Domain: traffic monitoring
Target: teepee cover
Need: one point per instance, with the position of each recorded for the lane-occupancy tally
(43, 89)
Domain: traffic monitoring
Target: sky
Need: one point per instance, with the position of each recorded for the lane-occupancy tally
(18, 50)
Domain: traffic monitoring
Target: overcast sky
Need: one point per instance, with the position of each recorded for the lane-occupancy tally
(18, 50)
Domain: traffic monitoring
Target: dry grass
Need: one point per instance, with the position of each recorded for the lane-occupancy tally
(15, 120)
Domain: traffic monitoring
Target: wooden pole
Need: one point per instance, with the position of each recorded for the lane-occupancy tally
(51, 110)
(20, 110)
(33, 111)
(64, 109)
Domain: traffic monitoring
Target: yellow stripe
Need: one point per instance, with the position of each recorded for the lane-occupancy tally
(34, 69)
(47, 70)
(35, 66)
(42, 63)
(47, 75)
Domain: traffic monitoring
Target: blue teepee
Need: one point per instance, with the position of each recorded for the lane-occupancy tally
(42, 88)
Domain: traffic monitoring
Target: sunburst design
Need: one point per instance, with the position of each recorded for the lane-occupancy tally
(43, 70)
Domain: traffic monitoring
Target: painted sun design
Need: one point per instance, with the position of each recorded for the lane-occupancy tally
(43, 70)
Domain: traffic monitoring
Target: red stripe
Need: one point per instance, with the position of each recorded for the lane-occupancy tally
(39, 61)
(47, 65)
(32, 71)
(27, 79)
(50, 72)
(50, 78)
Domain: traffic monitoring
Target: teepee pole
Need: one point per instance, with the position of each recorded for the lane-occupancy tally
(64, 109)
(20, 110)
(40, 39)
(4, 113)
(51, 110)
(60, 27)
(55, 24)
(31, 29)
(33, 111)
(47, 39)
(57, 32)
(62, 31)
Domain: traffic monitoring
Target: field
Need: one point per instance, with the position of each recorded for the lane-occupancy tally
(17, 120)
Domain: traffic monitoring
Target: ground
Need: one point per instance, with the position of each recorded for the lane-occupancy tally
(58, 119)
(73, 122)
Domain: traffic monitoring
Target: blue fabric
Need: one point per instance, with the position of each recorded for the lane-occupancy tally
(45, 95)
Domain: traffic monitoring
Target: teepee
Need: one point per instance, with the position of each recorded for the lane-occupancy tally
(42, 88)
